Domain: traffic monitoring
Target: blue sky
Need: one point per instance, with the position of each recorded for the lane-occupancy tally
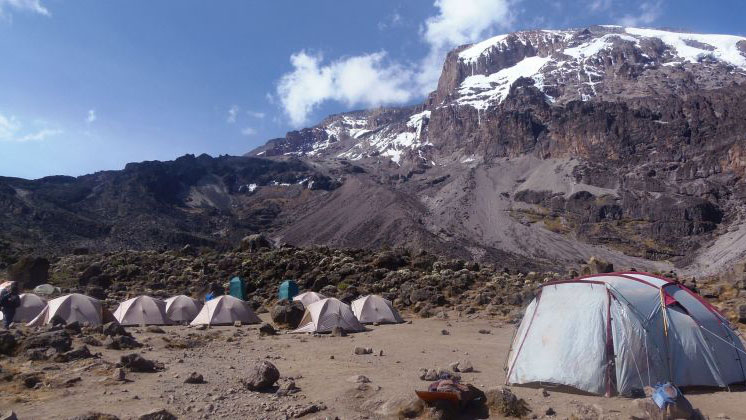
(89, 85)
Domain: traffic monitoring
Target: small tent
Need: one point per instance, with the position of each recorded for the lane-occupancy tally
(307, 298)
(237, 288)
(326, 314)
(142, 310)
(373, 308)
(288, 290)
(71, 308)
(31, 307)
(225, 310)
(182, 308)
(616, 333)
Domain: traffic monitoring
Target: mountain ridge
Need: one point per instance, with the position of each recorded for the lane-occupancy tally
(540, 147)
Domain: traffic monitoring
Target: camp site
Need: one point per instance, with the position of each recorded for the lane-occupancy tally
(372, 209)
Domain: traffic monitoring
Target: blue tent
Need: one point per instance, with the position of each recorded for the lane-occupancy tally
(238, 288)
(288, 290)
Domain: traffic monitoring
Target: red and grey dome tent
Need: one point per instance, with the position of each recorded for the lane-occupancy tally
(618, 332)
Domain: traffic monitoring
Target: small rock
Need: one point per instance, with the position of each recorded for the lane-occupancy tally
(200, 327)
(358, 379)
(544, 393)
(155, 329)
(137, 363)
(237, 324)
(363, 350)
(194, 378)
(550, 412)
(313, 408)
(119, 374)
(445, 332)
(483, 331)
(267, 329)
(262, 375)
(161, 414)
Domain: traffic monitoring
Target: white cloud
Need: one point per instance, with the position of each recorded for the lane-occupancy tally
(368, 80)
(91, 116)
(232, 114)
(460, 22)
(39, 135)
(372, 79)
(600, 5)
(649, 12)
(248, 131)
(11, 130)
(33, 6)
(393, 20)
(9, 126)
(256, 114)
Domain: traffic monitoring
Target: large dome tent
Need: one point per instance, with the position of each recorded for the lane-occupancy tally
(326, 314)
(31, 307)
(182, 308)
(225, 310)
(71, 308)
(373, 308)
(620, 332)
(142, 310)
(307, 298)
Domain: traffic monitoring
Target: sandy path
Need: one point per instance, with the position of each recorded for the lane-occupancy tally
(406, 347)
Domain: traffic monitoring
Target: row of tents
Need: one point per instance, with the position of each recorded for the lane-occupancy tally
(322, 314)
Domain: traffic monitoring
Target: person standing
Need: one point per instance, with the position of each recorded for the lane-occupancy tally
(9, 302)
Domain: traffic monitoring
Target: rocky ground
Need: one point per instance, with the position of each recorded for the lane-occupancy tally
(229, 372)
(462, 317)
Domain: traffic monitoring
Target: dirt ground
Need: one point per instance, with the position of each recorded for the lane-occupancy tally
(321, 366)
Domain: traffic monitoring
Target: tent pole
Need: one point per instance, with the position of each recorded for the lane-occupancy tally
(664, 312)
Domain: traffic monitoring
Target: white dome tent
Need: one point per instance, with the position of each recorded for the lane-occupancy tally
(31, 307)
(326, 314)
(225, 310)
(373, 308)
(616, 333)
(142, 310)
(182, 308)
(307, 298)
(71, 308)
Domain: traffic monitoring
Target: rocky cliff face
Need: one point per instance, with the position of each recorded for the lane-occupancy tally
(643, 130)
(537, 148)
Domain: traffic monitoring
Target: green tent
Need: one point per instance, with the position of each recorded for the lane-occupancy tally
(238, 288)
(288, 290)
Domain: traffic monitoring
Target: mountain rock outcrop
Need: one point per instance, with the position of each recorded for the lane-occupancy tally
(546, 147)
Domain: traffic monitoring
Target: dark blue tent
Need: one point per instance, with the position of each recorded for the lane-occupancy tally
(288, 290)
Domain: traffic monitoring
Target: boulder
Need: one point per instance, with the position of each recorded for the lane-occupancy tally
(93, 415)
(287, 314)
(261, 376)
(81, 352)
(29, 272)
(463, 366)
(136, 363)
(389, 260)
(160, 414)
(114, 329)
(194, 378)
(7, 343)
(254, 243)
(502, 402)
(599, 266)
(121, 342)
(59, 340)
(267, 329)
